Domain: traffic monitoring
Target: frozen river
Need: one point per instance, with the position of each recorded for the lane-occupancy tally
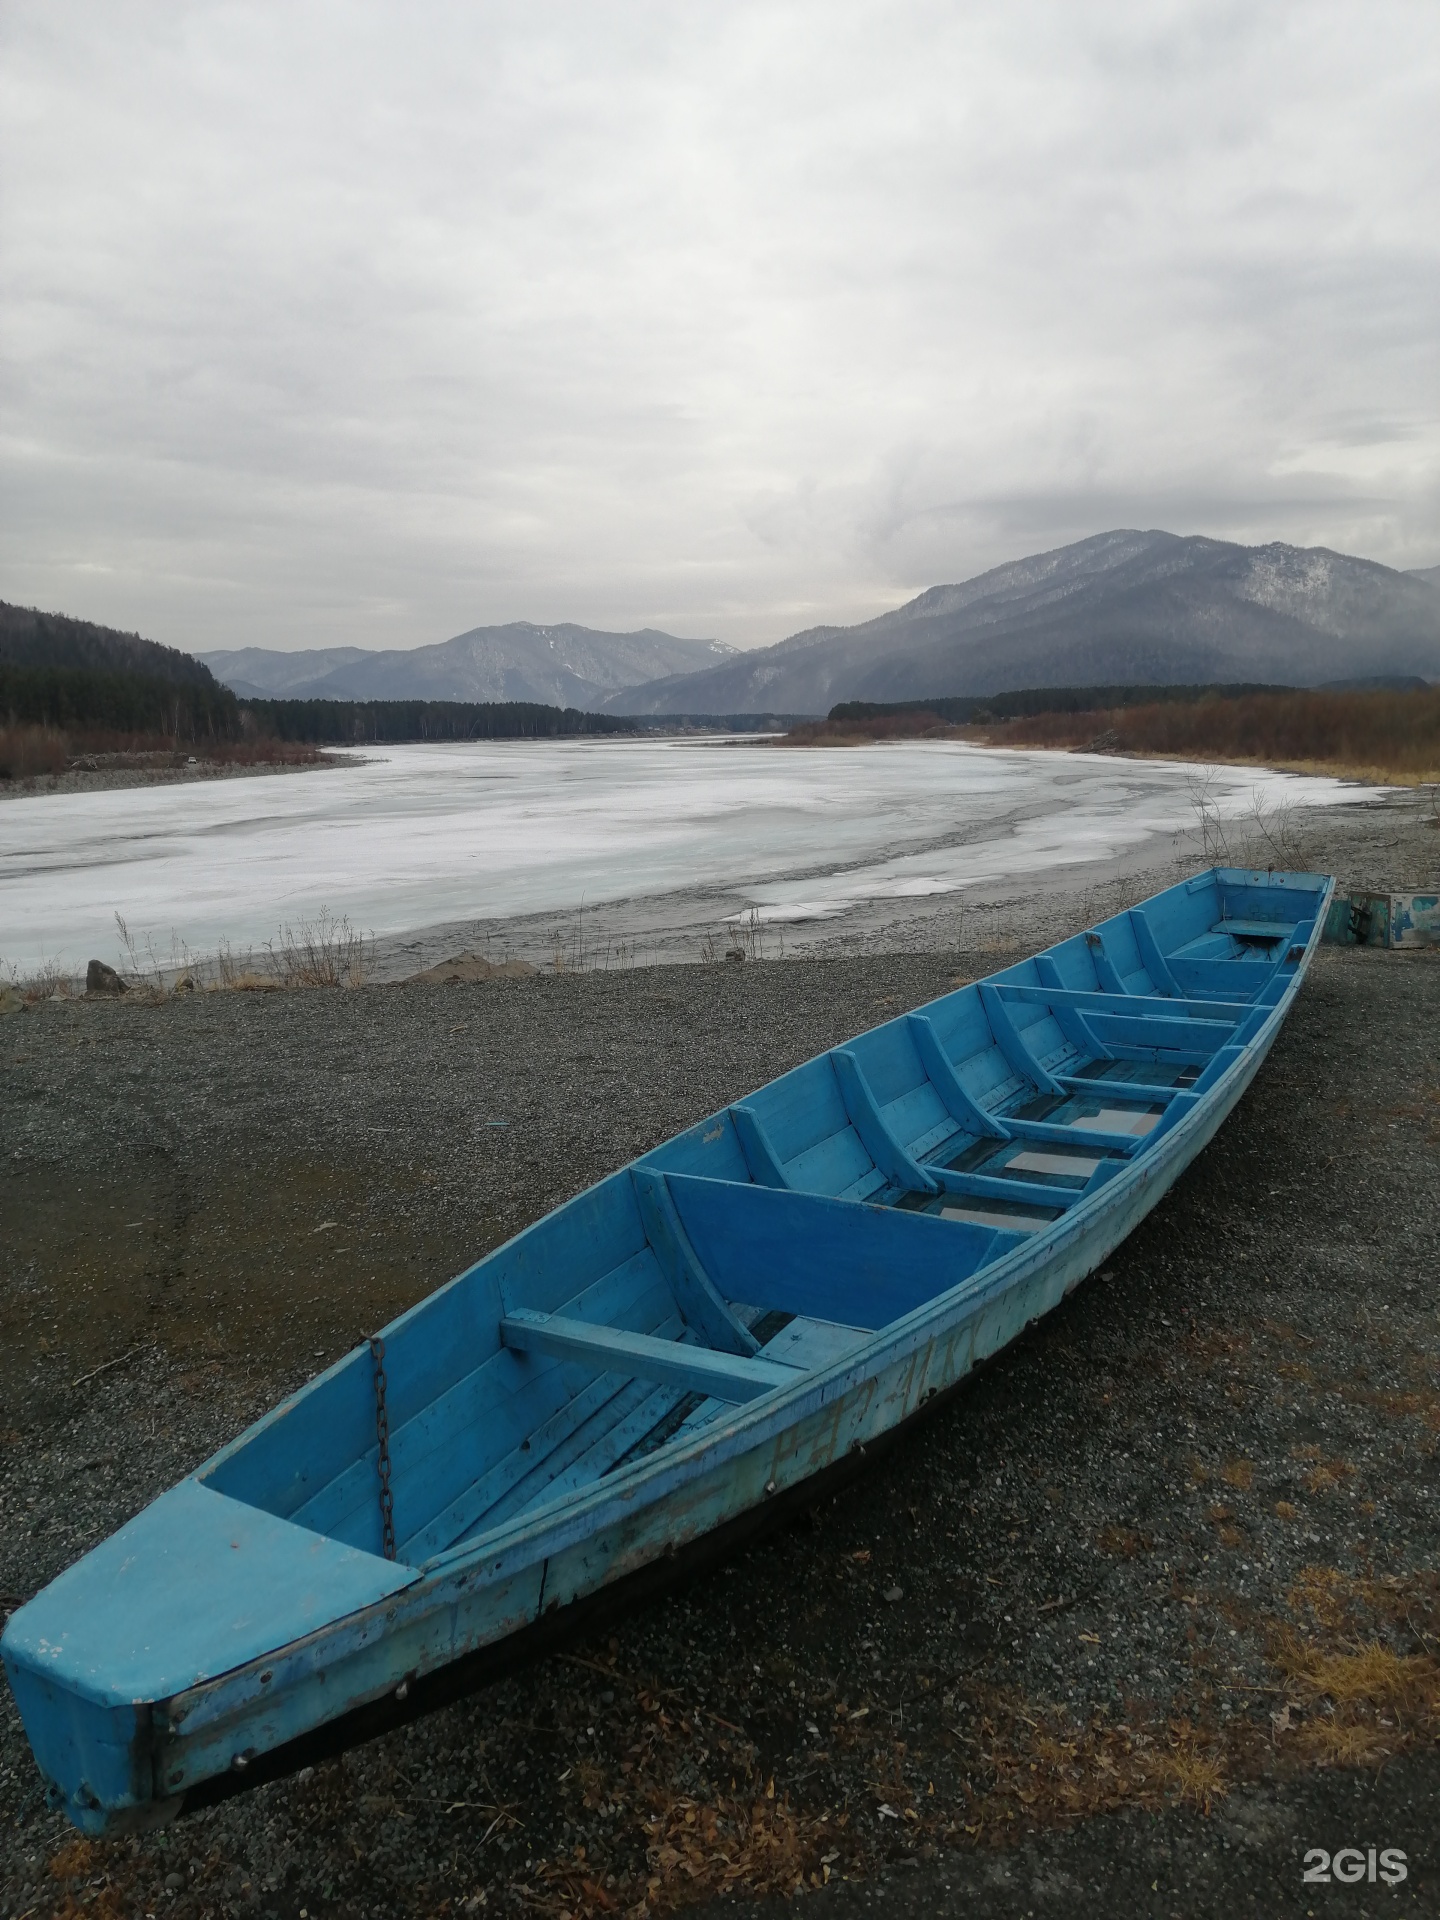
(418, 836)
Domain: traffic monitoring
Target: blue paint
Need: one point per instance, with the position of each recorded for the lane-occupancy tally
(251, 1604)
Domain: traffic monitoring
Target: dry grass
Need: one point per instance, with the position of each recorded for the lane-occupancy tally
(1046, 1771)
(28, 751)
(50, 978)
(1390, 738)
(696, 1836)
(1358, 1696)
(760, 1844)
(1328, 1474)
(324, 952)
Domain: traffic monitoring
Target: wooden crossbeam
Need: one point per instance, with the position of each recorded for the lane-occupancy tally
(1135, 1006)
(720, 1376)
(990, 1186)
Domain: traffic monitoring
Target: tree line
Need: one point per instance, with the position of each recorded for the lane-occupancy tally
(356, 722)
(87, 702)
(962, 710)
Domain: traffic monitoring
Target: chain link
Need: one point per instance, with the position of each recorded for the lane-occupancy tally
(382, 1435)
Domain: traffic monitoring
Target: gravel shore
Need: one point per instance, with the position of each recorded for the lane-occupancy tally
(1085, 1633)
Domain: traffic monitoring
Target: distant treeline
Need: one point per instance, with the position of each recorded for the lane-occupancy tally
(962, 710)
(82, 700)
(356, 722)
(721, 722)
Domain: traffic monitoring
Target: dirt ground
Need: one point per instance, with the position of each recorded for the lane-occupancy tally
(1146, 1611)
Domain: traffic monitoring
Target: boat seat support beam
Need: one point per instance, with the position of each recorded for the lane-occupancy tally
(954, 1094)
(766, 1169)
(877, 1137)
(695, 1293)
(1011, 1044)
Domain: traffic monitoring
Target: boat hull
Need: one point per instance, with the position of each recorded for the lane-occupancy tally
(478, 1610)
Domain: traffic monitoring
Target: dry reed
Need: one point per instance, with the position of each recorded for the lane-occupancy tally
(1391, 738)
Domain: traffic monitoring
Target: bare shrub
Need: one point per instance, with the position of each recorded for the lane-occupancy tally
(1260, 835)
(1390, 738)
(230, 972)
(746, 937)
(49, 979)
(142, 972)
(27, 751)
(324, 952)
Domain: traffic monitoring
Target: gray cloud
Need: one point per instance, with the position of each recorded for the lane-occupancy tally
(336, 322)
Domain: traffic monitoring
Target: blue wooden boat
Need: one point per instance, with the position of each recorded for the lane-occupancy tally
(657, 1363)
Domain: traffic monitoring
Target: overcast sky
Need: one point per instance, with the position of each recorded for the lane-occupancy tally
(347, 323)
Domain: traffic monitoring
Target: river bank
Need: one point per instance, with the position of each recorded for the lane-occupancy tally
(113, 772)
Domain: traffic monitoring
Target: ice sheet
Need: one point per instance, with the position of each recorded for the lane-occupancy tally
(414, 836)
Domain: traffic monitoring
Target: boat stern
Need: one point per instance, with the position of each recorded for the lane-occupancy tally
(194, 1586)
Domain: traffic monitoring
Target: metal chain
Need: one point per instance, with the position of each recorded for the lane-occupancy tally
(382, 1462)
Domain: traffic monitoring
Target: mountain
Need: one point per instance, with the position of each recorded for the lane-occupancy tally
(560, 666)
(29, 638)
(1429, 574)
(1120, 607)
(262, 673)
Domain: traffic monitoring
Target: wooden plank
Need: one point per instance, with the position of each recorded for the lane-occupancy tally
(456, 1520)
(1066, 1013)
(862, 1266)
(601, 1440)
(1005, 1222)
(1079, 1166)
(602, 1455)
(1141, 1006)
(835, 1165)
(695, 1294)
(1133, 1005)
(1236, 979)
(1130, 1089)
(992, 1186)
(800, 1109)
(1063, 1133)
(1128, 1122)
(445, 1446)
(723, 1376)
(1268, 930)
(1147, 1030)
(889, 1155)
